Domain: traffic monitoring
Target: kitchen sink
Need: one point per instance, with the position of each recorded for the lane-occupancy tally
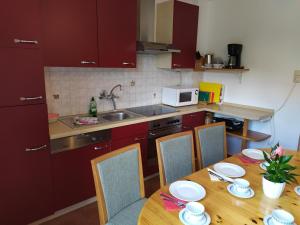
(116, 116)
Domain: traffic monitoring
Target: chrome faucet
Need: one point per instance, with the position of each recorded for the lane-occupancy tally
(111, 96)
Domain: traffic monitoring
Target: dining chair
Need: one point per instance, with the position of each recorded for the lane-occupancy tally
(298, 149)
(211, 143)
(175, 154)
(119, 184)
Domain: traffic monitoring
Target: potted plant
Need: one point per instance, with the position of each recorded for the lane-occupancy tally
(278, 172)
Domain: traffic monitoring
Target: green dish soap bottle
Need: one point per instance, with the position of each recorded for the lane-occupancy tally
(93, 108)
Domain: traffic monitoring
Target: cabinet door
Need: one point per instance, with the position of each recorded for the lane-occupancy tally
(117, 33)
(189, 121)
(185, 25)
(72, 174)
(22, 78)
(25, 175)
(70, 33)
(20, 23)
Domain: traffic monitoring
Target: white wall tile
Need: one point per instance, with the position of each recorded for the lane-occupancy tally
(76, 86)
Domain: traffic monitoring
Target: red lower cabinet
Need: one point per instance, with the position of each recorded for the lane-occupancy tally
(192, 120)
(25, 169)
(72, 174)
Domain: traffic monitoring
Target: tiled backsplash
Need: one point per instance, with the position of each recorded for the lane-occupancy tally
(140, 86)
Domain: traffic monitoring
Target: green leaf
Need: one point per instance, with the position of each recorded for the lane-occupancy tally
(266, 157)
(285, 158)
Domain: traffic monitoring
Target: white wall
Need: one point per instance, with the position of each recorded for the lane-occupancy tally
(270, 33)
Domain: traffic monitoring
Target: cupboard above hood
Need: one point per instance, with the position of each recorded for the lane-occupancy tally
(146, 30)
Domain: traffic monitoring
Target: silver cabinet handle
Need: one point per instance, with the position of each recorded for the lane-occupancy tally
(30, 98)
(152, 134)
(139, 138)
(128, 63)
(87, 62)
(36, 149)
(176, 65)
(192, 115)
(100, 147)
(19, 41)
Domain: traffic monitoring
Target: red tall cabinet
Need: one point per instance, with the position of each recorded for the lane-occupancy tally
(25, 173)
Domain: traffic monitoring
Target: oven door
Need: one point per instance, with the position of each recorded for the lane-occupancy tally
(152, 164)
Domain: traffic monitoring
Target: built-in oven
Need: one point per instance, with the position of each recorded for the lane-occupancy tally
(157, 129)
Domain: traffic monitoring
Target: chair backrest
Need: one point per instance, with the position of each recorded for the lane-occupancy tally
(176, 157)
(211, 143)
(119, 180)
(298, 149)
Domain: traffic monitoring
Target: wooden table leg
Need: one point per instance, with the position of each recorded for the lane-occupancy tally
(245, 132)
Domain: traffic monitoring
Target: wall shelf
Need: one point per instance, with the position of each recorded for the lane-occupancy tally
(223, 70)
(251, 135)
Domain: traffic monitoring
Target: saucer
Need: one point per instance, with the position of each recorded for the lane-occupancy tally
(268, 220)
(248, 194)
(297, 190)
(186, 222)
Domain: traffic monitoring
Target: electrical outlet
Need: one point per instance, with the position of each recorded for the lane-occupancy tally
(297, 76)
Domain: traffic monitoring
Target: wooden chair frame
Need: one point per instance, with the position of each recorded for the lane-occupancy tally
(198, 145)
(162, 176)
(98, 185)
(298, 149)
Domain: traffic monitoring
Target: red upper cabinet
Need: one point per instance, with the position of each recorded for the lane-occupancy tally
(70, 33)
(117, 33)
(20, 23)
(185, 28)
(177, 24)
(25, 174)
(22, 78)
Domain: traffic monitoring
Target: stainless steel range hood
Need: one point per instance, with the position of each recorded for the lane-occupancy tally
(146, 31)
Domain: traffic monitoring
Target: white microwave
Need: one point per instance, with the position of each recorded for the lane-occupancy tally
(180, 96)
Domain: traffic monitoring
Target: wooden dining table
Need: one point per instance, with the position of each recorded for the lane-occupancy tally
(223, 207)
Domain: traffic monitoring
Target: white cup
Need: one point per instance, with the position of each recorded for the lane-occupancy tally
(241, 185)
(195, 212)
(282, 217)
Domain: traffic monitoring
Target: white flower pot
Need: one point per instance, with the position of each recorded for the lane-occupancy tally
(271, 189)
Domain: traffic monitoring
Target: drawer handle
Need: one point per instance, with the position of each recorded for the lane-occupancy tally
(99, 148)
(176, 65)
(152, 134)
(36, 149)
(128, 63)
(88, 62)
(19, 41)
(30, 98)
(185, 127)
(139, 138)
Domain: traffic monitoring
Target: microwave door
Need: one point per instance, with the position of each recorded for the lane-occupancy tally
(185, 98)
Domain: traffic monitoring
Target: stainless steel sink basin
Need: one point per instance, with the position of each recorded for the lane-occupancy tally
(116, 116)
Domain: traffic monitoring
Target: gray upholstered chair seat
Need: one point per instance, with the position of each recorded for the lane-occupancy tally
(128, 215)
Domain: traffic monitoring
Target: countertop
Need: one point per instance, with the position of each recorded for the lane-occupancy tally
(60, 130)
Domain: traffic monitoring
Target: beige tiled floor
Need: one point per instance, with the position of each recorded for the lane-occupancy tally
(88, 215)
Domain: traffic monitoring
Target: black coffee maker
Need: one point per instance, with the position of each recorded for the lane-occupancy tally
(234, 54)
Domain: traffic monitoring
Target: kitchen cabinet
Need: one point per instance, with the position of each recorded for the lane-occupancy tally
(192, 120)
(117, 33)
(90, 33)
(20, 23)
(180, 29)
(127, 135)
(22, 81)
(72, 174)
(25, 173)
(70, 33)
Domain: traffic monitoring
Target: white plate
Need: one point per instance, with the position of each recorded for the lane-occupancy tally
(232, 191)
(297, 190)
(253, 154)
(263, 165)
(229, 170)
(187, 191)
(186, 222)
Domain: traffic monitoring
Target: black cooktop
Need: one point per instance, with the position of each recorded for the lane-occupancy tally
(152, 110)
